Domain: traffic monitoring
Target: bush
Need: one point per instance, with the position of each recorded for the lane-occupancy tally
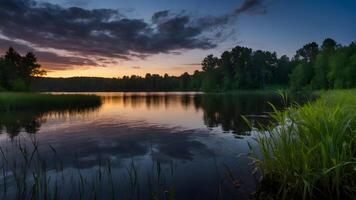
(2, 89)
(19, 86)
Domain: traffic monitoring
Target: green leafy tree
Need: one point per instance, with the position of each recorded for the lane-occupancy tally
(241, 58)
(329, 45)
(284, 68)
(321, 64)
(263, 65)
(304, 71)
(210, 63)
(227, 70)
(308, 52)
(184, 81)
(343, 67)
(209, 66)
(321, 68)
(301, 76)
(196, 81)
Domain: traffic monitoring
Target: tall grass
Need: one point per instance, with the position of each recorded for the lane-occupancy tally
(26, 174)
(311, 154)
(38, 101)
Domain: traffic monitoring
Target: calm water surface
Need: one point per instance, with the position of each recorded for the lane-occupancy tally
(189, 145)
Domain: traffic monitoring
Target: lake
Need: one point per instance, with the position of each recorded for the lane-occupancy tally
(136, 146)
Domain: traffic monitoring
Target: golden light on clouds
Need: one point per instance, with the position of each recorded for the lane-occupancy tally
(114, 72)
(156, 64)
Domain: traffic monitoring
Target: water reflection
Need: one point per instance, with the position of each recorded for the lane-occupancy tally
(227, 110)
(218, 110)
(30, 121)
(189, 139)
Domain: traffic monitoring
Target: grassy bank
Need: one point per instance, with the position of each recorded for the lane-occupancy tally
(48, 102)
(312, 153)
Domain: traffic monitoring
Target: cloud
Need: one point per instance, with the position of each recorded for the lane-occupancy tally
(77, 2)
(48, 60)
(91, 35)
(159, 15)
(252, 7)
(103, 32)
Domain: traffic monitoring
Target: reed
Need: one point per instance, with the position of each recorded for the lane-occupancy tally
(27, 174)
(311, 153)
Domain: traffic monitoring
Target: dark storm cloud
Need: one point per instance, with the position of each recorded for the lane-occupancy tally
(106, 33)
(159, 15)
(252, 7)
(47, 59)
(55, 62)
(98, 32)
(77, 2)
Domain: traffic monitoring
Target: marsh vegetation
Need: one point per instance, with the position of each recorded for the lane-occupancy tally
(46, 102)
(311, 153)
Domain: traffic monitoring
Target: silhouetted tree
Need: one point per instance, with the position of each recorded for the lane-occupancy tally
(16, 71)
(308, 53)
(283, 69)
(328, 45)
(209, 66)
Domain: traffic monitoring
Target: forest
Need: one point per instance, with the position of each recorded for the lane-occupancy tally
(313, 67)
(328, 66)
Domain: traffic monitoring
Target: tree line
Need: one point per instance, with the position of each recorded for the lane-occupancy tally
(327, 66)
(150, 82)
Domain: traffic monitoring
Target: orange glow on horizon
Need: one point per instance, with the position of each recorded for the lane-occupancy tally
(171, 64)
(115, 72)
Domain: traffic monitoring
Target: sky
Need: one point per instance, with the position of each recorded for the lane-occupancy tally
(113, 38)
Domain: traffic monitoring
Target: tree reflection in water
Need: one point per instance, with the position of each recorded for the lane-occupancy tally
(225, 110)
(219, 110)
(30, 121)
(125, 134)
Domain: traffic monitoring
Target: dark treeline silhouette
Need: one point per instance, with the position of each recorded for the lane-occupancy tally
(150, 82)
(17, 72)
(326, 67)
